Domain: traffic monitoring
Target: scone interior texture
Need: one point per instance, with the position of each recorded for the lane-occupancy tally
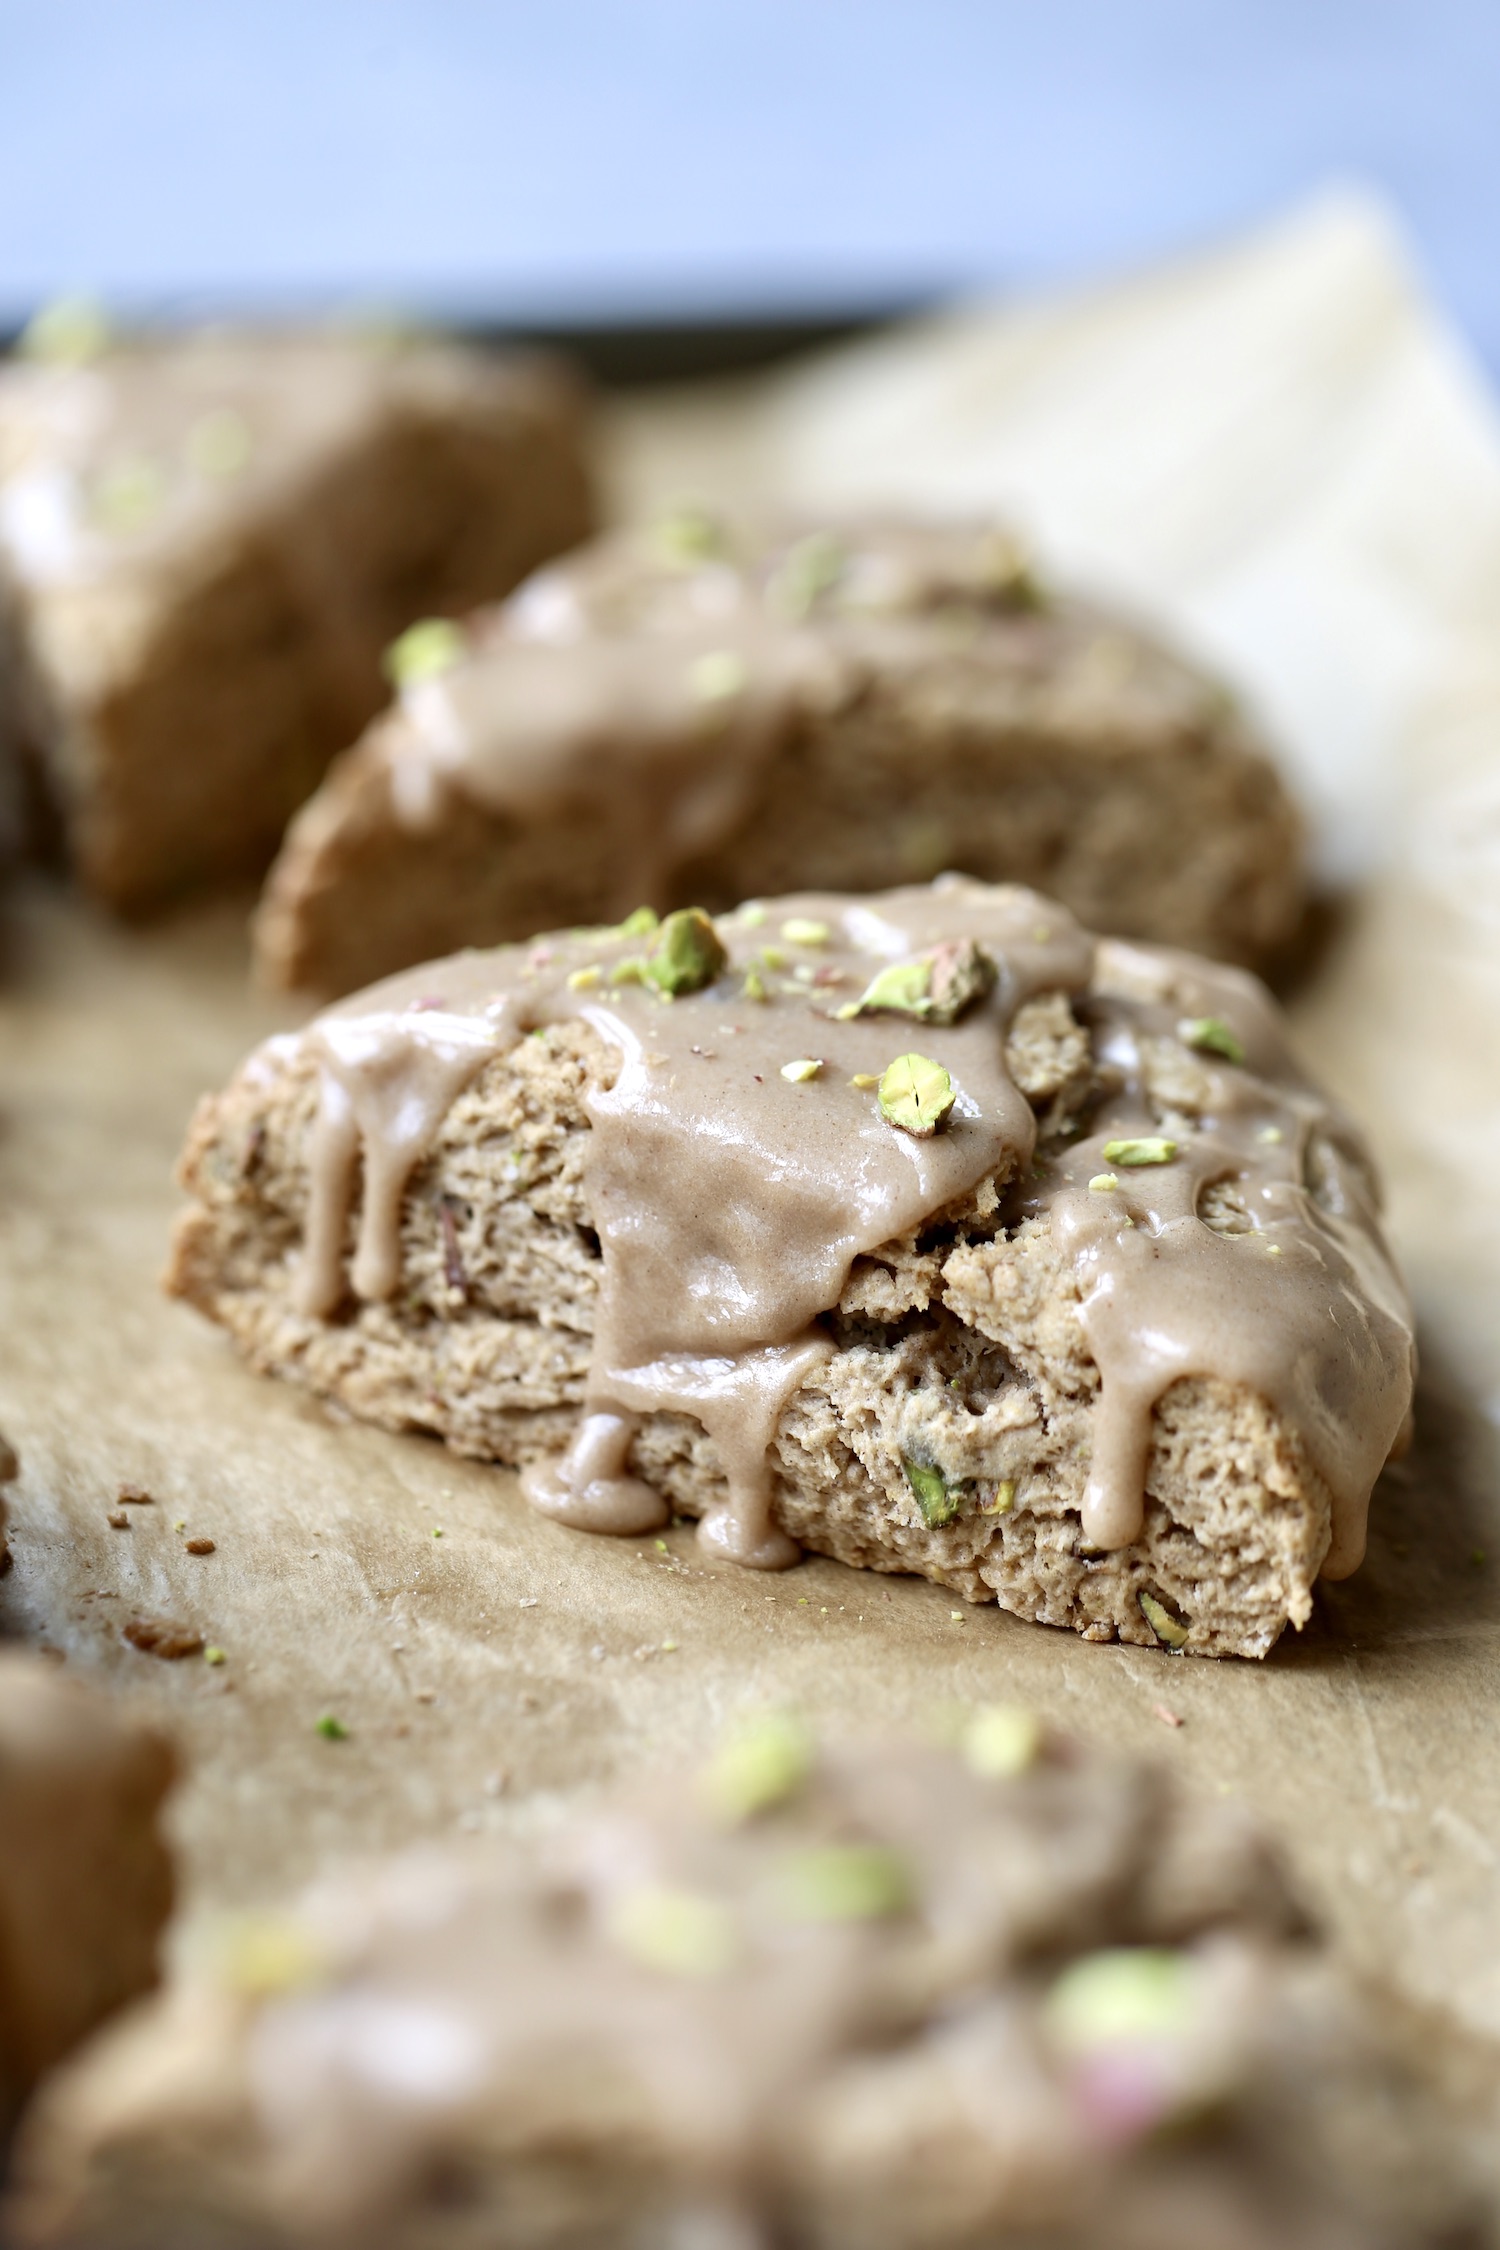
(873, 1999)
(85, 1878)
(695, 713)
(922, 1230)
(207, 541)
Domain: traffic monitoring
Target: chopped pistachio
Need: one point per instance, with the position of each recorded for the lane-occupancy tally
(681, 1932)
(1006, 572)
(1121, 1996)
(1211, 1035)
(754, 986)
(844, 1883)
(1004, 1500)
(1271, 1134)
(213, 1656)
(760, 1767)
(936, 987)
(431, 646)
(808, 569)
(583, 980)
(1168, 1629)
(916, 1095)
(641, 923)
(1151, 1150)
(260, 1955)
(632, 970)
(798, 929)
(690, 535)
(331, 1729)
(1103, 1183)
(752, 915)
(688, 953)
(799, 1072)
(67, 333)
(864, 1080)
(718, 676)
(773, 957)
(1002, 1739)
(219, 445)
(129, 493)
(938, 1501)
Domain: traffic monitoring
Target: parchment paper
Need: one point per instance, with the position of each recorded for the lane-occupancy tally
(1280, 452)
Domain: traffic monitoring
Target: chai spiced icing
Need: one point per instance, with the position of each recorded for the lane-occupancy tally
(755, 1143)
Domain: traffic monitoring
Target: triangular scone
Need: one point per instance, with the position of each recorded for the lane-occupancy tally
(690, 714)
(884, 1997)
(207, 541)
(920, 1229)
(85, 1880)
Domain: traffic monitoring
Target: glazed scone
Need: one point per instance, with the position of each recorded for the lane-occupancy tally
(878, 1999)
(85, 1880)
(690, 715)
(207, 541)
(920, 1229)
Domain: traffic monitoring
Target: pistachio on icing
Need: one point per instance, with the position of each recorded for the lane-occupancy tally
(1123, 1995)
(128, 493)
(916, 1095)
(678, 1931)
(844, 1883)
(331, 1729)
(936, 987)
(1211, 1035)
(807, 570)
(1002, 1739)
(718, 675)
(431, 646)
(1168, 1629)
(799, 929)
(1103, 1183)
(864, 1080)
(687, 955)
(584, 979)
(640, 923)
(690, 535)
(938, 1500)
(754, 985)
(799, 1072)
(1151, 1150)
(758, 1768)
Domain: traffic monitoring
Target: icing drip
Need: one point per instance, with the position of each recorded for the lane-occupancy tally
(732, 1196)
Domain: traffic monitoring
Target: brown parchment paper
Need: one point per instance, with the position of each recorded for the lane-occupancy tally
(489, 1675)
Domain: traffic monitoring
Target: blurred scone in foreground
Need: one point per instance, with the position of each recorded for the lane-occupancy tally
(85, 1881)
(878, 1999)
(208, 539)
(695, 714)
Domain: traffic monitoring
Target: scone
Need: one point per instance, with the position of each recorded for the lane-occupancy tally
(85, 1881)
(881, 1999)
(921, 1229)
(208, 540)
(691, 715)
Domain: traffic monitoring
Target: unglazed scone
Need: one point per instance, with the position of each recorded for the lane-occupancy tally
(880, 1999)
(690, 714)
(85, 1880)
(919, 1229)
(208, 540)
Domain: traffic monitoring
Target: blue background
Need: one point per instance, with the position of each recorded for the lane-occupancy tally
(644, 160)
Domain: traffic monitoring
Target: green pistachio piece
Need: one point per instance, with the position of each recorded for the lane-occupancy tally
(916, 1096)
(584, 979)
(1103, 1183)
(129, 493)
(1211, 1035)
(680, 1932)
(1148, 1151)
(1168, 1629)
(690, 535)
(844, 1883)
(632, 970)
(1005, 1497)
(1001, 1740)
(799, 929)
(261, 1955)
(431, 646)
(807, 571)
(331, 1729)
(799, 1072)
(688, 953)
(761, 1767)
(219, 445)
(641, 923)
(67, 333)
(718, 676)
(936, 987)
(754, 986)
(937, 1499)
(1123, 1995)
